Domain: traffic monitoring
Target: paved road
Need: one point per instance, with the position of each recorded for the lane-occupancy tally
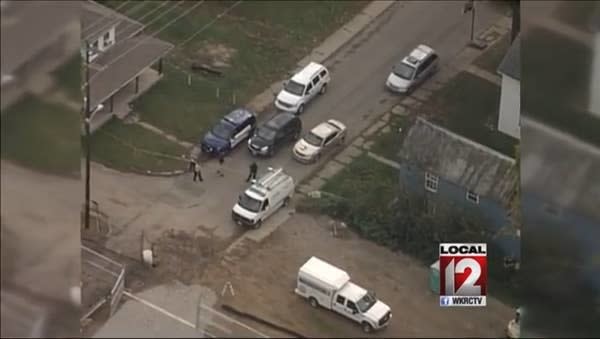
(356, 97)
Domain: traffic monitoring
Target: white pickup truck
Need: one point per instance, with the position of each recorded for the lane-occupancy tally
(330, 287)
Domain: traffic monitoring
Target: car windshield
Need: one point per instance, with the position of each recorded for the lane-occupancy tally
(366, 302)
(249, 203)
(223, 130)
(294, 88)
(265, 133)
(404, 71)
(313, 139)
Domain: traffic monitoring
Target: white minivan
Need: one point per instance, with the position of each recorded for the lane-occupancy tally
(266, 195)
(302, 88)
(419, 65)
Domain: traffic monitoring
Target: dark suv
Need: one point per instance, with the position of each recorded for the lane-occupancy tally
(277, 131)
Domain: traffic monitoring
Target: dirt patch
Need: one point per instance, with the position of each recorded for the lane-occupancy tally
(215, 55)
(183, 255)
(264, 283)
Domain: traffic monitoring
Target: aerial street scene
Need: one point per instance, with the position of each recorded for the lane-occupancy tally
(271, 168)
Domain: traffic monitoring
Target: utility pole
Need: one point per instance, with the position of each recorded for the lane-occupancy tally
(515, 27)
(87, 134)
(469, 6)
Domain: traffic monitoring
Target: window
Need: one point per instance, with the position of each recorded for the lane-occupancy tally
(431, 182)
(316, 80)
(351, 305)
(473, 197)
(430, 206)
(309, 88)
(323, 73)
(340, 300)
(330, 138)
(266, 205)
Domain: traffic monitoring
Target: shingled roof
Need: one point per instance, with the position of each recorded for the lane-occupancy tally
(459, 160)
(511, 64)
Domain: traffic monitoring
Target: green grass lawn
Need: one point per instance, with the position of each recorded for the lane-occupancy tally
(468, 105)
(266, 38)
(115, 145)
(42, 135)
(492, 57)
(388, 144)
(69, 78)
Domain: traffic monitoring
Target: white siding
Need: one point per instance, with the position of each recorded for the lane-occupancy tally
(510, 107)
(595, 79)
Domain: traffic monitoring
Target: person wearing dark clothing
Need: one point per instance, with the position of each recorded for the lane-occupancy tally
(220, 168)
(197, 172)
(192, 165)
(253, 169)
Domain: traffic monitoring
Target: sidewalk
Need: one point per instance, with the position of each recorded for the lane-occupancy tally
(329, 47)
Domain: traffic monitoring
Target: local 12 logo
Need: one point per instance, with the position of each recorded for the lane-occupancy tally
(463, 274)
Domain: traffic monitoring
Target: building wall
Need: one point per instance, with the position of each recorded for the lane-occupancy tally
(510, 107)
(413, 179)
(583, 232)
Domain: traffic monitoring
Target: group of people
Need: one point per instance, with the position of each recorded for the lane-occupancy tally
(197, 170)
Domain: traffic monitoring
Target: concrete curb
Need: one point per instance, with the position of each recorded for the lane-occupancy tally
(325, 50)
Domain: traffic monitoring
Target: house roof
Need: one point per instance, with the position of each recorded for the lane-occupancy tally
(21, 40)
(96, 19)
(511, 64)
(562, 170)
(124, 61)
(459, 160)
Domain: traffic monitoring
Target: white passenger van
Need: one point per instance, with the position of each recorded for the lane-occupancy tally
(266, 195)
(330, 287)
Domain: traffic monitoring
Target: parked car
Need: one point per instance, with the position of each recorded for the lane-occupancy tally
(229, 132)
(266, 195)
(419, 65)
(329, 287)
(321, 138)
(302, 88)
(276, 132)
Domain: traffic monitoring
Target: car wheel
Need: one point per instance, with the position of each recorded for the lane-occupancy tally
(323, 89)
(300, 109)
(313, 302)
(366, 327)
(286, 201)
(297, 135)
(258, 225)
(317, 157)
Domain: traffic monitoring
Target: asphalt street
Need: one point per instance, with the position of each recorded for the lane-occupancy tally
(357, 95)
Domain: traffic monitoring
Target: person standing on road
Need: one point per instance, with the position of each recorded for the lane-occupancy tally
(253, 169)
(221, 161)
(197, 172)
(192, 165)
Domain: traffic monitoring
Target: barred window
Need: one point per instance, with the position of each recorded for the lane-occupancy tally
(431, 182)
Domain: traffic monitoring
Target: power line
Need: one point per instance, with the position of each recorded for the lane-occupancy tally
(164, 3)
(109, 23)
(165, 12)
(149, 37)
(210, 23)
(202, 29)
(116, 9)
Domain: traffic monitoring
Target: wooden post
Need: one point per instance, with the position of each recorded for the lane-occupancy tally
(137, 84)
(160, 66)
(112, 103)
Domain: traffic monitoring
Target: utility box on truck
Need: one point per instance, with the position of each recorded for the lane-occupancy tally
(330, 287)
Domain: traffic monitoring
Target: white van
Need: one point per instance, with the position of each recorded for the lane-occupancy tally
(302, 88)
(266, 195)
(330, 287)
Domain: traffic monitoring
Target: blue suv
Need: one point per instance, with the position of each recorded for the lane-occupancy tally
(229, 132)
